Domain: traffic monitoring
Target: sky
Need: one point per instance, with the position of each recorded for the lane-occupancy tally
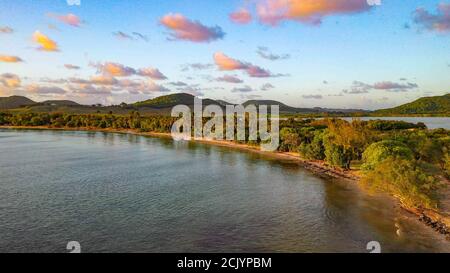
(367, 54)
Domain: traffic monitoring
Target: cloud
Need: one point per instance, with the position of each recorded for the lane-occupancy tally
(71, 66)
(122, 36)
(267, 86)
(46, 44)
(258, 72)
(68, 19)
(103, 80)
(196, 66)
(244, 89)
(10, 59)
(229, 79)
(153, 87)
(241, 16)
(192, 89)
(363, 88)
(45, 90)
(151, 73)
(358, 88)
(88, 89)
(141, 36)
(120, 70)
(178, 83)
(114, 69)
(249, 97)
(395, 87)
(10, 80)
(264, 52)
(316, 97)
(439, 22)
(6, 30)
(312, 12)
(188, 30)
(228, 64)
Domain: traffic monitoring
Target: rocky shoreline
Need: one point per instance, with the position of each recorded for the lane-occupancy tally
(436, 225)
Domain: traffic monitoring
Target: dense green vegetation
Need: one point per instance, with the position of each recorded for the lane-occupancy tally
(407, 160)
(438, 105)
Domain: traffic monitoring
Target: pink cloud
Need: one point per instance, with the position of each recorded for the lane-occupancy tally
(226, 63)
(184, 29)
(257, 72)
(72, 66)
(151, 73)
(306, 11)
(115, 69)
(241, 16)
(439, 22)
(394, 86)
(69, 19)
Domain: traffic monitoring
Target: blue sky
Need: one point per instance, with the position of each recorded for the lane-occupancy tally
(366, 57)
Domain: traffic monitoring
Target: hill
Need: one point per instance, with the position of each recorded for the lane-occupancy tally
(438, 105)
(293, 110)
(58, 103)
(158, 105)
(14, 102)
(283, 107)
(169, 101)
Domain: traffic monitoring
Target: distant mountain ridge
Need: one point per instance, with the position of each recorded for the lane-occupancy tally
(425, 105)
(169, 101)
(15, 102)
(163, 105)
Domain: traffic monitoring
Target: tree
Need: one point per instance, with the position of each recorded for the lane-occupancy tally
(336, 154)
(314, 150)
(289, 140)
(353, 137)
(379, 151)
(447, 165)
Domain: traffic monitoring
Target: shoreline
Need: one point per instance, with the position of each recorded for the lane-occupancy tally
(437, 220)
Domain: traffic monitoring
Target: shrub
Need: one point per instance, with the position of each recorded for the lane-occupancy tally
(404, 179)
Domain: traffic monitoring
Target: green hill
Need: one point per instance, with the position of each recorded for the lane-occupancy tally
(172, 100)
(14, 102)
(438, 105)
(59, 103)
(283, 107)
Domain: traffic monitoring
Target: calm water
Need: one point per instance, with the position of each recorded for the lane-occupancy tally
(114, 192)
